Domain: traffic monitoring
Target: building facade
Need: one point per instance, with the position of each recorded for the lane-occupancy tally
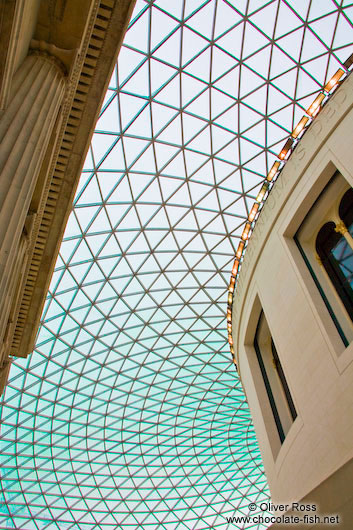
(56, 61)
(292, 319)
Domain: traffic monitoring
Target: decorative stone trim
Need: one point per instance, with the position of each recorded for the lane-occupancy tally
(293, 152)
(341, 228)
(107, 17)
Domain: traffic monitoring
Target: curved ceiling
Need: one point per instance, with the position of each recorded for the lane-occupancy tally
(129, 414)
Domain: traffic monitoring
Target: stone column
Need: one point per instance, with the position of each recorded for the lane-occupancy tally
(25, 128)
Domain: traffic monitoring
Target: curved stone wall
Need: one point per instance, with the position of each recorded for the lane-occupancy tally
(275, 278)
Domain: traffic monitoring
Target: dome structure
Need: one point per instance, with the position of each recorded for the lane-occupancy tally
(129, 413)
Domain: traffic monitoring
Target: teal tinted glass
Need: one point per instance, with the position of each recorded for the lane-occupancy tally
(129, 413)
(343, 257)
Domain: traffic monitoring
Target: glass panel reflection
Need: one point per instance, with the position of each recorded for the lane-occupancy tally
(129, 413)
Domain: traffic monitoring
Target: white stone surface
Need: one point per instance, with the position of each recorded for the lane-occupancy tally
(318, 368)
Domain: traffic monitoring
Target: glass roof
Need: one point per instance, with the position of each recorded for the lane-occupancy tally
(129, 414)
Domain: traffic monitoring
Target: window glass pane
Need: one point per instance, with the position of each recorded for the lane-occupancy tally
(275, 382)
(343, 255)
(328, 253)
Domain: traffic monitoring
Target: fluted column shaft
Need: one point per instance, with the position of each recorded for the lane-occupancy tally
(25, 130)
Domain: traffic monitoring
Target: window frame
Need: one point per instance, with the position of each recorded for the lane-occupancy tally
(325, 210)
(276, 400)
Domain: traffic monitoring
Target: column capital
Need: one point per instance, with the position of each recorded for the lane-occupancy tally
(341, 228)
(63, 59)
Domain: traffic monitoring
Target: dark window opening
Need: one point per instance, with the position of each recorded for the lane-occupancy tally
(280, 399)
(337, 258)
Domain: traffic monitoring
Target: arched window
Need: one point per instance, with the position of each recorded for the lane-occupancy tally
(336, 256)
(326, 244)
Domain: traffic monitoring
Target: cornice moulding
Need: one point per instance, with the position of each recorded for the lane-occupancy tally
(89, 74)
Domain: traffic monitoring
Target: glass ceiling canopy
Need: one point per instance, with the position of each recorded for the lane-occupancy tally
(129, 413)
